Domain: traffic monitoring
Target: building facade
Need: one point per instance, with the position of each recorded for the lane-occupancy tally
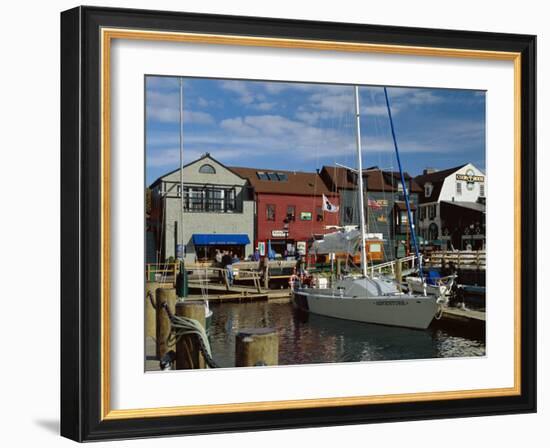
(452, 207)
(289, 209)
(384, 201)
(217, 209)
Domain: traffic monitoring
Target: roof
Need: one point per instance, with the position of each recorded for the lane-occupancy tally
(298, 183)
(376, 180)
(203, 157)
(476, 206)
(436, 179)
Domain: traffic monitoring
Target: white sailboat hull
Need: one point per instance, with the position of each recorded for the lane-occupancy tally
(398, 310)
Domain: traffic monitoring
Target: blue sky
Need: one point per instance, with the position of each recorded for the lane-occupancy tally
(296, 126)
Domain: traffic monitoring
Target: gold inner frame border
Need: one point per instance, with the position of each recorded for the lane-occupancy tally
(107, 35)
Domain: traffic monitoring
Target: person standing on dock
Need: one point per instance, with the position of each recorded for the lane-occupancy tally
(227, 264)
(218, 257)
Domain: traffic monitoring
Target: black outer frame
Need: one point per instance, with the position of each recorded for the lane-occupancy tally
(81, 223)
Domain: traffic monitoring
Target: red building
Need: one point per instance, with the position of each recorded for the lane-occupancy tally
(289, 209)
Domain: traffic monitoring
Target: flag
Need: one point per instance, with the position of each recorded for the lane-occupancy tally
(328, 207)
(373, 204)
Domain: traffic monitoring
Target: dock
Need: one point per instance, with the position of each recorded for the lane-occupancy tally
(462, 318)
(237, 293)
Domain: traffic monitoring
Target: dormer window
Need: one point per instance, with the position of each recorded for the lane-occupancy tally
(428, 189)
(207, 169)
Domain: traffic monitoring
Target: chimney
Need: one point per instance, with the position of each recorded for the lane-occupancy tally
(429, 171)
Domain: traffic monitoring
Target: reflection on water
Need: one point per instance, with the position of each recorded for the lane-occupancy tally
(313, 339)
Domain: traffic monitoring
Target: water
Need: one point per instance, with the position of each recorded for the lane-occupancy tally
(313, 339)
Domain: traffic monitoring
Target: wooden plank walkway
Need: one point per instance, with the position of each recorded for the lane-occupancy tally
(278, 295)
(464, 315)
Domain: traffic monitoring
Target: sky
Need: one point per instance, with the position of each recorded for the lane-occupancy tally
(298, 126)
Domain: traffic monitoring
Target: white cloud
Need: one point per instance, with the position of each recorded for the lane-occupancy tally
(172, 115)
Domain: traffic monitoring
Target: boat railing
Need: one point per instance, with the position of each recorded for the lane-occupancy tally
(408, 263)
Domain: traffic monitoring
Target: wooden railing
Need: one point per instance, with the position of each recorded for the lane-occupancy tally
(165, 272)
(461, 259)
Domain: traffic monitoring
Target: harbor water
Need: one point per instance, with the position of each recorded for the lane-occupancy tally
(312, 339)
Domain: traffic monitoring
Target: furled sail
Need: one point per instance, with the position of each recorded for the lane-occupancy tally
(338, 242)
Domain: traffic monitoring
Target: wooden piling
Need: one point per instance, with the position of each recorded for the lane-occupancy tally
(257, 347)
(188, 354)
(150, 309)
(168, 296)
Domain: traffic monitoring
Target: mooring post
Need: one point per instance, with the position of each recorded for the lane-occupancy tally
(188, 353)
(257, 347)
(168, 296)
(150, 309)
(266, 275)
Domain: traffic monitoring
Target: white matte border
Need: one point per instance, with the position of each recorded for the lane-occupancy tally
(132, 388)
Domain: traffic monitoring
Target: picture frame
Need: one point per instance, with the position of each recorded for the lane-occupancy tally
(86, 37)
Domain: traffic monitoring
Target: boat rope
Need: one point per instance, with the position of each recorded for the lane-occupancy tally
(185, 326)
(439, 312)
(152, 299)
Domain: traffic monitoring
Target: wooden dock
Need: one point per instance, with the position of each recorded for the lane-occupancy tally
(237, 293)
(464, 314)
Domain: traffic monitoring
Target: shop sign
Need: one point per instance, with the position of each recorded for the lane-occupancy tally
(470, 177)
(279, 233)
(305, 216)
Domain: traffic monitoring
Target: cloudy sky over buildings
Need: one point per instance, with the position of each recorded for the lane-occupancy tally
(295, 126)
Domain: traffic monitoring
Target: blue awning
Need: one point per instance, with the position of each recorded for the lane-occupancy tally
(220, 239)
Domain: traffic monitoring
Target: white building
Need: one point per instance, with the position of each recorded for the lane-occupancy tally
(451, 210)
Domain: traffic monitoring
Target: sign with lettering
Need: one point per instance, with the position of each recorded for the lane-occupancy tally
(279, 233)
(470, 177)
(305, 216)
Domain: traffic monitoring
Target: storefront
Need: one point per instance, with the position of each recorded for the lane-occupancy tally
(207, 244)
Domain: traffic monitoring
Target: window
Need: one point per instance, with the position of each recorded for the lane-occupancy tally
(459, 188)
(207, 169)
(291, 212)
(272, 176)
(348, 215)
(432, 211)
(428, 189)
(283, 177)
(422, 213)
(319, 213)
(482, 190)
(270, 212)
(210, 199)
(433, 231)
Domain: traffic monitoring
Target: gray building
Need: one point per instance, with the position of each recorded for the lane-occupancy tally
(218, 212)
(384, 200)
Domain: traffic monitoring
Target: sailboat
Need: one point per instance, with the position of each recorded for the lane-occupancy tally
(362, 297)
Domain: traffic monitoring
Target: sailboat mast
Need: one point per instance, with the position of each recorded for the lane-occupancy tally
(181, 166)
(360, 182)
(405, 190)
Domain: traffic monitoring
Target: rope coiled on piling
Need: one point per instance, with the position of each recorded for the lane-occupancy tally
(185, 326)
